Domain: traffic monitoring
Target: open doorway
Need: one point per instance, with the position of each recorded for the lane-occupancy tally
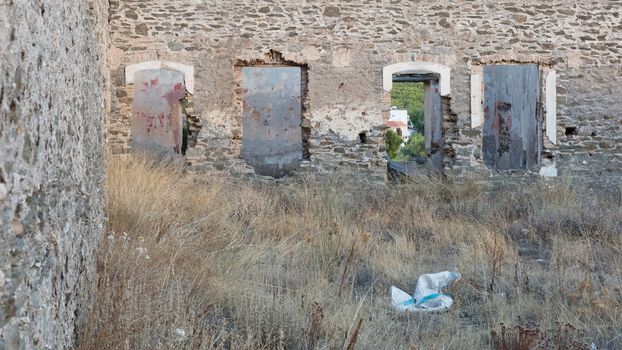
(405, 136)
(413, 135)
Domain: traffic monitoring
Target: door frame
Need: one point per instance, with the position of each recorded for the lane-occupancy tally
(274, 59)
(427, 72)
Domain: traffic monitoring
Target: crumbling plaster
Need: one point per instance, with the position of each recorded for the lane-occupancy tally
(188, 71)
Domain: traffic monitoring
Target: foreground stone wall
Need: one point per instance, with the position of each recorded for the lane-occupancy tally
(345, 46)
(51, 166)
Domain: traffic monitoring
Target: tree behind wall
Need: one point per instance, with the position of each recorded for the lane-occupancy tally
(393, 141)
(415, 147)
(409, 96)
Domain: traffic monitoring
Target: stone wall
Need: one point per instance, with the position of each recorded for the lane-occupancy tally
(52, 75)
(345, 46)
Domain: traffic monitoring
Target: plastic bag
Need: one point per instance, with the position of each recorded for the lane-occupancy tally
(427, 296)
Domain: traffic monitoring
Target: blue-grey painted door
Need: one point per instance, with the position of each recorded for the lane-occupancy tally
(272, 112)
(510, 132)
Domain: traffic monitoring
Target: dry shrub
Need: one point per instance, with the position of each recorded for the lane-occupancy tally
(499, 253)
(196, 262)
(562, 337)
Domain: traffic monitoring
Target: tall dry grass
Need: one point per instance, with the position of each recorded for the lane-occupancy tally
(196, 263)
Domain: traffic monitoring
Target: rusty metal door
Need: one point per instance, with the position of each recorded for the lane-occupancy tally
(157, 124)
(272, 114)
(510, 132)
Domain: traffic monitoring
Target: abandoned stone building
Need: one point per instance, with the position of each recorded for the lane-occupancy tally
(275, 87)
(527, 87)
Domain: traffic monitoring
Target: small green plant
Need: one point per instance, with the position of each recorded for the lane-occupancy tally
(415, 147)
(393, 141)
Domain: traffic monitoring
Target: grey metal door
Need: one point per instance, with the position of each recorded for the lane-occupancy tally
(510, 132)
(272, 112)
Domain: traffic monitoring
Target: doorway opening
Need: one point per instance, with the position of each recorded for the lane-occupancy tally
(414, 126)
(405, 136)
(191, 124)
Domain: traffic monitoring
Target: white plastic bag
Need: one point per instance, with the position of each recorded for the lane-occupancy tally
(427, 296)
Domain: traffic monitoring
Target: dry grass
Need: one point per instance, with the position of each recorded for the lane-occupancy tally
(193, 263)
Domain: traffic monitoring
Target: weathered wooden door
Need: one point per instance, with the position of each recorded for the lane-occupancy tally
(433, 122)
(272, 114)
(510, 132)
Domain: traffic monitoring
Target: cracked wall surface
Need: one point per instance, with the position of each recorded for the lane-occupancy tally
(345, 46)
(52, 83)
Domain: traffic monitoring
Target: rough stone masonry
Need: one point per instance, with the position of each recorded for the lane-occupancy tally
(52, 78)
(56, 57)
(350, 51)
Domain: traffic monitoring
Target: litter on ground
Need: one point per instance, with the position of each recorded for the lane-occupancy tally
(428, 295)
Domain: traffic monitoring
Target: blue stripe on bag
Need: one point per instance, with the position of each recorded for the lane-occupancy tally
(408, 302)
(428, 297)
